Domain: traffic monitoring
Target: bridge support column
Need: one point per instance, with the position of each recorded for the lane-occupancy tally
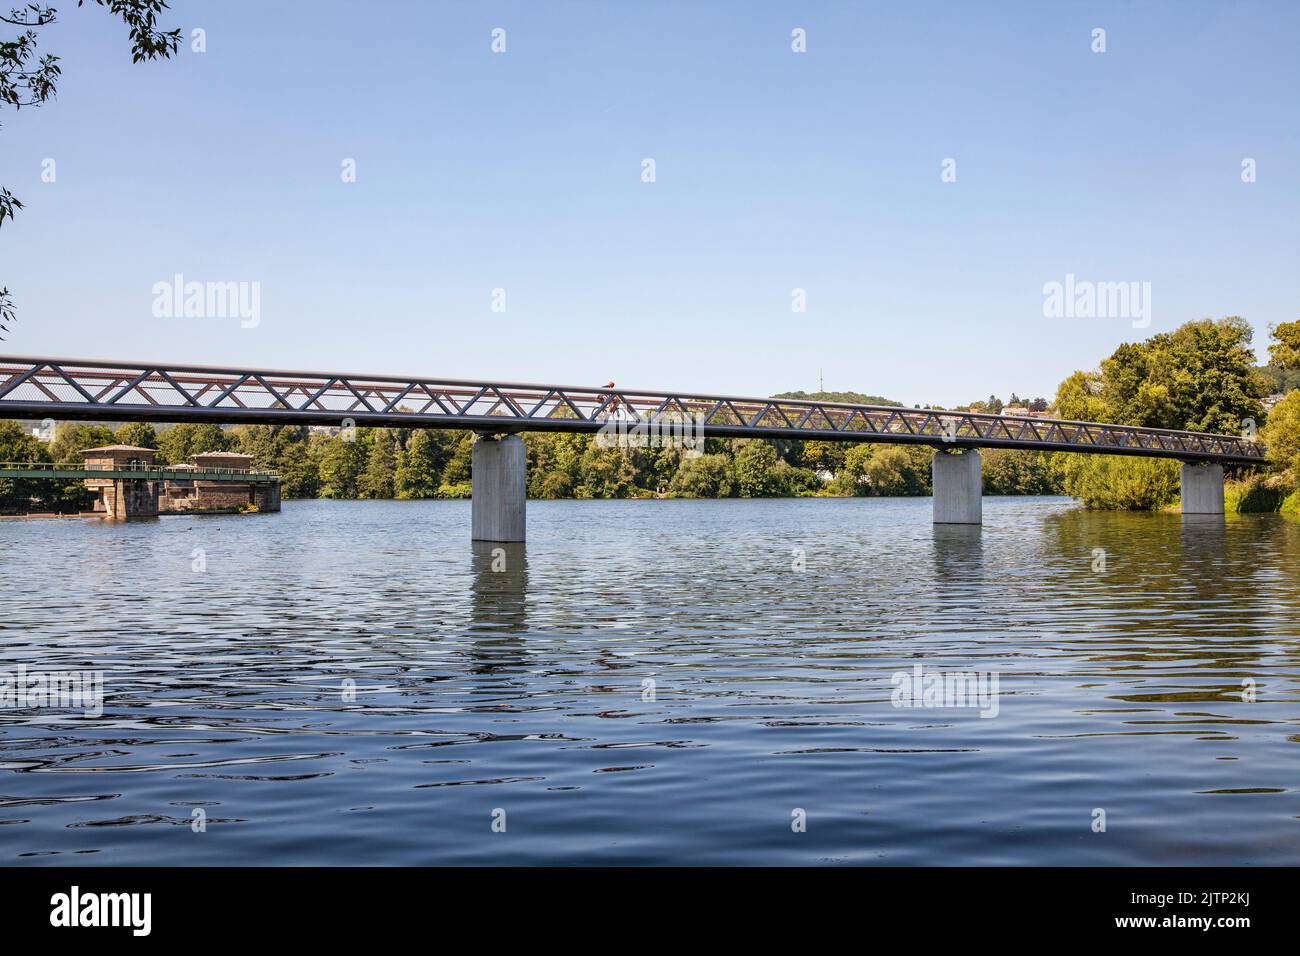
(121, 498)
(1202, 488)
(956, 479)
(499, 484)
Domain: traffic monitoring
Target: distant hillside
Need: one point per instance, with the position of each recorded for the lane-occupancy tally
(855, 398)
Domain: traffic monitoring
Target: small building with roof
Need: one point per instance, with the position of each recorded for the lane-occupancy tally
(233, 460)
(119, 496)
(216, 482)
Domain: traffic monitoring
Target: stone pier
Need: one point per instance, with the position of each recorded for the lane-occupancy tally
(956, 478)
(1202, 488)
(499, 480)
(117, 497)
(224, 494)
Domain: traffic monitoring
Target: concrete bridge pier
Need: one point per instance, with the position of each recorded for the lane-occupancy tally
(957, 490)
(126, 498)
(1202, 488)
(499, 486)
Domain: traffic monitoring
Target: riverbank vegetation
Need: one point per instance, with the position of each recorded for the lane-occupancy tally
(1201, 376)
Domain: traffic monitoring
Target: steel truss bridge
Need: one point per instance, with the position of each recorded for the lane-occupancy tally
(77, 389)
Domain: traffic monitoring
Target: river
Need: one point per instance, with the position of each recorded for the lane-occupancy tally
(664, 682)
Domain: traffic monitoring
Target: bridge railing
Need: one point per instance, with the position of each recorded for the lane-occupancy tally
(199, 472)
(66, 388)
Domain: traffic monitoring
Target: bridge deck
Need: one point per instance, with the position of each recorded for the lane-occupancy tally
(117, 391)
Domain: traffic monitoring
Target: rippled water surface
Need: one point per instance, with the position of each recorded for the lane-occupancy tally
(655, 682)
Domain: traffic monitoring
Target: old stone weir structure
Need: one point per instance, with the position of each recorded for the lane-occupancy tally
(129, 484)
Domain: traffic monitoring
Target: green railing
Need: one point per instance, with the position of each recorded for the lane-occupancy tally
(132, 470)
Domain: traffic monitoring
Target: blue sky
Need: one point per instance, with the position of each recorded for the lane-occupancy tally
(774, 171)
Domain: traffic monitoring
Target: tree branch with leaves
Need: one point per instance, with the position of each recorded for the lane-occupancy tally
(28, 78)
(1285, 351)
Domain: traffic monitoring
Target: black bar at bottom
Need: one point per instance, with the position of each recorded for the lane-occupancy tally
(266, 905)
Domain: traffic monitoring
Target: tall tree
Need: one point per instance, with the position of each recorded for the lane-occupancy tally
(258, 441)
(885, 470)
(181, 442)
(342, 463)
(419, 467)
(606, 473)
(299, 473)
(554, 463)
(66, 447)
(140, 434)
(1282, 434)
(1285, 352)
(70, 438)
(459, 467)
(754, 466)
(1200, 376)
(1009, 471)
(825, 455)
(379, 478)
(16, 445)
(1078, 398)
(707, 476)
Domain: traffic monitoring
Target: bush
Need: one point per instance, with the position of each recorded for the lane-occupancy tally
(708, 476)
(1115, 483)
(795, 482)
(1282, 436)
(1253, 495)
(1011, 472)
(885, 471)
(756, 470)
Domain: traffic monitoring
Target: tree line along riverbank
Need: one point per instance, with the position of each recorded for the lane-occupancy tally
(1201, 376)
